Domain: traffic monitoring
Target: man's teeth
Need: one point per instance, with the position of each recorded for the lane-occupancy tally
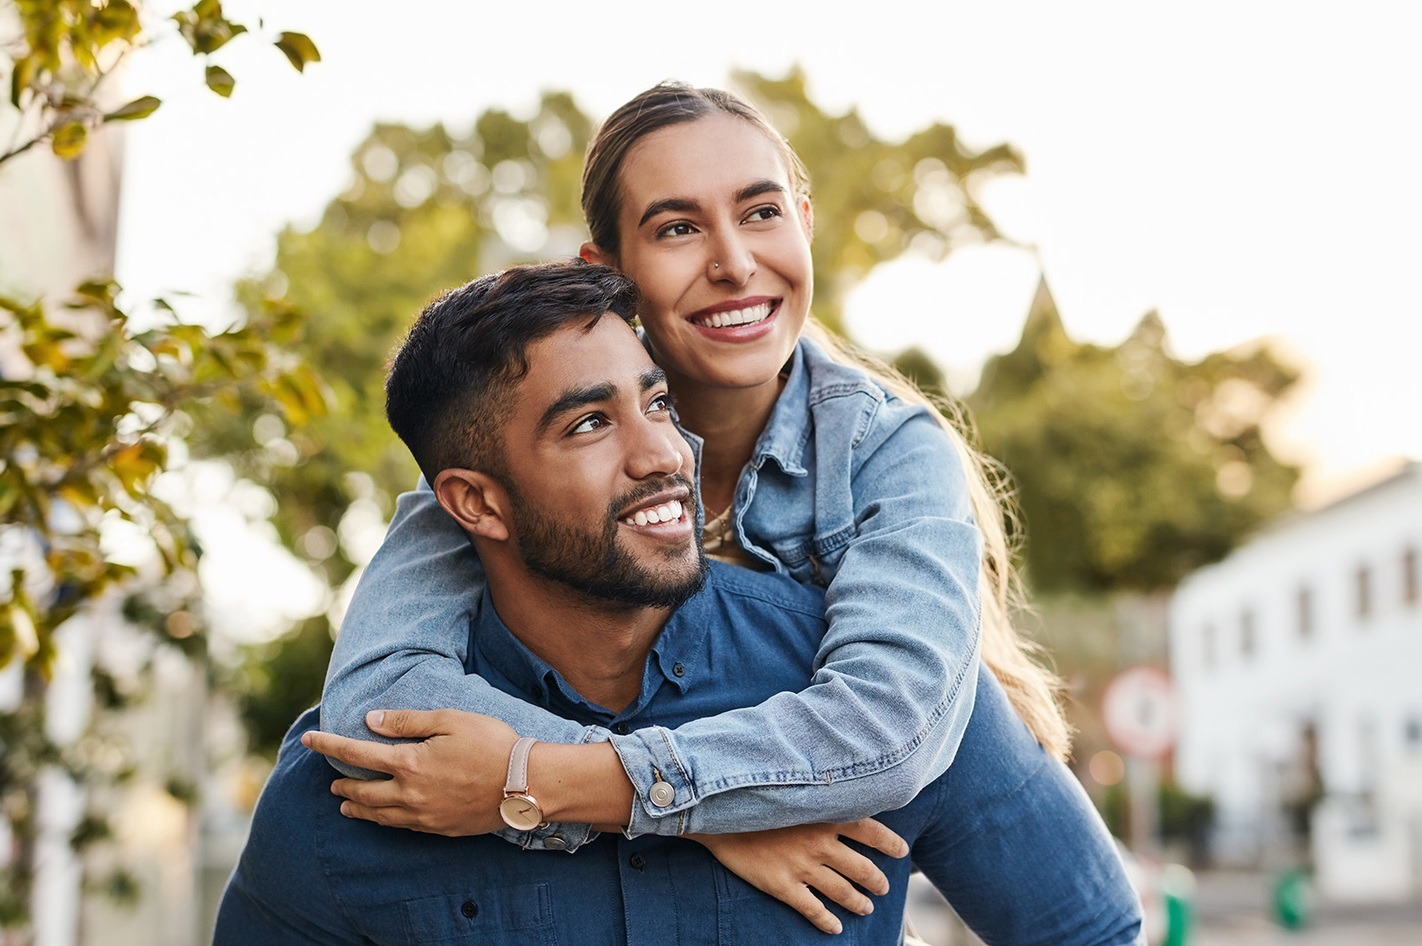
(666, 512)
(745, 316)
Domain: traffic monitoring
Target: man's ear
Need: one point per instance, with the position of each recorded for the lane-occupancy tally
(591, 252)
(476, 500)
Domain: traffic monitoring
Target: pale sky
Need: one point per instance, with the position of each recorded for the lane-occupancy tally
(1248, 169)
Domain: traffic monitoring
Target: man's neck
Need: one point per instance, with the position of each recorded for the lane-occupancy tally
(600, 648)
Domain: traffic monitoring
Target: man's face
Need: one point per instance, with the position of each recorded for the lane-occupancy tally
(600, 481)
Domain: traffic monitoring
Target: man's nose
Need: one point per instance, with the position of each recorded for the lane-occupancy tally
(658, 451)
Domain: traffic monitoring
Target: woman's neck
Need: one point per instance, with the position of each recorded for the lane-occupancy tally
(729, 422)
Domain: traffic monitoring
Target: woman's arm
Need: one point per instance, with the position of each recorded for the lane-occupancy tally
(893, 680)
(895, 676)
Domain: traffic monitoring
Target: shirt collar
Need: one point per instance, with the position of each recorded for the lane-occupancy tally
(785, 434)
(675, 658)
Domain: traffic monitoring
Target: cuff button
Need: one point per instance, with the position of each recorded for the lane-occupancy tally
(662, 794)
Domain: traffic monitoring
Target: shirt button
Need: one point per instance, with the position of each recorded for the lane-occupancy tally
(661, 794)
(679, 670)
(621, 729)
(470, 909)
(637, 861)
(555, 842)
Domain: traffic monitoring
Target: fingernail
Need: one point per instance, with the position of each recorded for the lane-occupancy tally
(375, 718)
(837, 927)
(346, 809)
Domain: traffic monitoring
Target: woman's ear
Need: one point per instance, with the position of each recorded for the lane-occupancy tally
(593, 254)
(476, 500)
(807, 216)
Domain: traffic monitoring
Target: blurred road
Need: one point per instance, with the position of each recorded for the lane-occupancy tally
(1232, 909)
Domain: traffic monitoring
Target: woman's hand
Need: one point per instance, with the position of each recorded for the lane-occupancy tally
(450, 783)
(788, 862)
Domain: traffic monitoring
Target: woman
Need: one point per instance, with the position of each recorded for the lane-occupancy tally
(808, 465)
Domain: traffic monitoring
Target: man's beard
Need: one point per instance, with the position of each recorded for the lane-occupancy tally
(594, 564)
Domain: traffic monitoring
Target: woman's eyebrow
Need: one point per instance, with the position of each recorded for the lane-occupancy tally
(672, 204)
(759, 187)
(685, 205)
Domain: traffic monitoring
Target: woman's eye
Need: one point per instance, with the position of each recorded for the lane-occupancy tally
(680, 228)
(589, 424)
(763, 213)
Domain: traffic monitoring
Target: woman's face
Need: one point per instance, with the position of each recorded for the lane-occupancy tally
(719, 248)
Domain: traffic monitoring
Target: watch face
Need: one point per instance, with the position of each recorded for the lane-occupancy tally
(521, 812)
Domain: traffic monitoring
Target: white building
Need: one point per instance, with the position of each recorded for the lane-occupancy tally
(1298, 666)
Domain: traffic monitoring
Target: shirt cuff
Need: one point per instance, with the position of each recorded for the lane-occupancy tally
(552, 837)
(661, 786)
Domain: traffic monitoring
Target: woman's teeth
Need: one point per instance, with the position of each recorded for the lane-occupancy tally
(747, 316)
(666, 512)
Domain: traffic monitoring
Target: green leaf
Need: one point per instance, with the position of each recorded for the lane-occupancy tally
(117, 19)
(20, 79)
(220, 81)
(299, 49)
(140, 107)
(69, 140)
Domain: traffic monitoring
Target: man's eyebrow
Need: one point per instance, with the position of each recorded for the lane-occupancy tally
(575, 399)
(652, 377)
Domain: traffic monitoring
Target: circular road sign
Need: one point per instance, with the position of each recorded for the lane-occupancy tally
(1138, 709)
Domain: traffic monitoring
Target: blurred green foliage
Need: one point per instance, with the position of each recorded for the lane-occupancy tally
(93, 404)
(1132, 467)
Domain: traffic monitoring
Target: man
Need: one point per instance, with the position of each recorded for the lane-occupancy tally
(545, 431)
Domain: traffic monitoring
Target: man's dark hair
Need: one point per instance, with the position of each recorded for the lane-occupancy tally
(450, 383)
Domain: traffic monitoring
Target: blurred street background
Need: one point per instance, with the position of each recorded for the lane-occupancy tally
(1164, 258)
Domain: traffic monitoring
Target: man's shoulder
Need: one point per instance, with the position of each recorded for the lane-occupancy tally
(747, 587)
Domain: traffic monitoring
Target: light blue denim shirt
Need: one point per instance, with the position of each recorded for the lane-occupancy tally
(849, 488)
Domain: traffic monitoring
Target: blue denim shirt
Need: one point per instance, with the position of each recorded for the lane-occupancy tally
(1008, 836)
(849, 488)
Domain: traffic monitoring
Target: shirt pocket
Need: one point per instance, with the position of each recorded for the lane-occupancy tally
(520, 915)
(745, 915)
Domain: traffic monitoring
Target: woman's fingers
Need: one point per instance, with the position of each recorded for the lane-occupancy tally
(871, 833)
(376, 756)
(834, 886)
(378, 793)
(849, 863)
(804, 901)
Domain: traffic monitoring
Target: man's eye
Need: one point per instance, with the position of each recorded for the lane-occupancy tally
(589, 424)
(661, 403)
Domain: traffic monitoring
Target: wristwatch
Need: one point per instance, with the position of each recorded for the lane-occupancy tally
(519, 809)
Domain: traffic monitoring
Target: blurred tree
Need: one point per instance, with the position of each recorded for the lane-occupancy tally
(1132, 467)
(429, 209)
(93, 406)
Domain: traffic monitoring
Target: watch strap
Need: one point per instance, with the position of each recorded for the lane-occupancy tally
(517, 783)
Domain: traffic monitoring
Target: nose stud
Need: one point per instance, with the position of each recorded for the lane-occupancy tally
(715, 265)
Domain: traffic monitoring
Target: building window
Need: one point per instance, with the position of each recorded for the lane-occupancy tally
(1365, 592)
(1305, 608)
(1409, 576)
(1247, 643)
